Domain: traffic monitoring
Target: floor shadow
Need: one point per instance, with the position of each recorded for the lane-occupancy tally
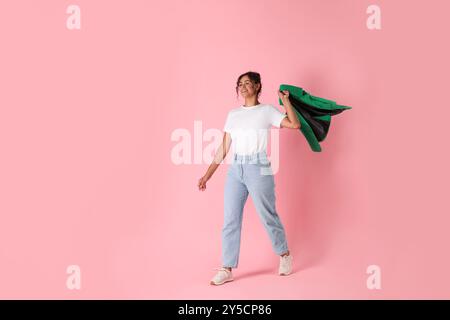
(255, 273)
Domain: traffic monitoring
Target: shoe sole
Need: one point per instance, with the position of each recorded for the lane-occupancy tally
(218, 284)
(285, 273)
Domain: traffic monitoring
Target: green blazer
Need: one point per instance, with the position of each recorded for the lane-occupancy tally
(314, 114)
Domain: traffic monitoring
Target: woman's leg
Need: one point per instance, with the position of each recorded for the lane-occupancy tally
(235, 196)
(261, 187)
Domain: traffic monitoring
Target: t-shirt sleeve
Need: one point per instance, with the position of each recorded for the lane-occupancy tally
(276, 116)
(227, 127)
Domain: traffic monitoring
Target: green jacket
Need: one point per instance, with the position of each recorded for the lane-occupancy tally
(314, 114)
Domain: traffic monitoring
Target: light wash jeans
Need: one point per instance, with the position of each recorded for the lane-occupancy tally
(249, 174)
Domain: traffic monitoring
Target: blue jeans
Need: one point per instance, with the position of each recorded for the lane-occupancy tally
(249, 174)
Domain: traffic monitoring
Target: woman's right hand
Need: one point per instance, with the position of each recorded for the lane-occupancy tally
(202, 183)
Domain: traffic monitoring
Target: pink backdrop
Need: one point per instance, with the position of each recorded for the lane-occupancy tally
(87, 178)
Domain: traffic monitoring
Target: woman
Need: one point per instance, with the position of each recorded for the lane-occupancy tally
(250, 173)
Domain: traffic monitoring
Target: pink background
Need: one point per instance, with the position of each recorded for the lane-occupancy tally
(86, 177)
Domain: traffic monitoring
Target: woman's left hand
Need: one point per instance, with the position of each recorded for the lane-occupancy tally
(283, 95)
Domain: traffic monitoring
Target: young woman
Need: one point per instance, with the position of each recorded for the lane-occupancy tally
(250, 173)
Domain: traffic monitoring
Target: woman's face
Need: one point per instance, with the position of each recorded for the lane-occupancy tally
(247, 88)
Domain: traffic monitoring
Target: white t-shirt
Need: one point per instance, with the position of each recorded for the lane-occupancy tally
(249, 127)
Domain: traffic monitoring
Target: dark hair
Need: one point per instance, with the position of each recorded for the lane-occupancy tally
(254, 77)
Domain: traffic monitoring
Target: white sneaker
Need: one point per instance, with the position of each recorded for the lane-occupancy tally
(222, 276)
(285, 267)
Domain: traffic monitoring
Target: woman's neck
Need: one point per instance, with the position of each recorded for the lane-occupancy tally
(251, 102)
